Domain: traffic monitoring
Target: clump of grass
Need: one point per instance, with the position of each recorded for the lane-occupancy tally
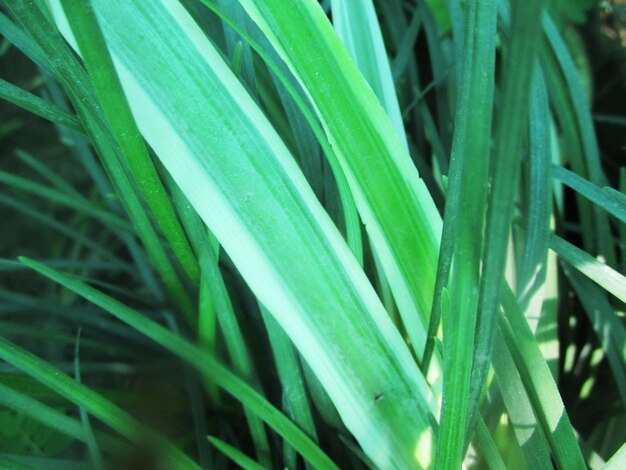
(385, 241)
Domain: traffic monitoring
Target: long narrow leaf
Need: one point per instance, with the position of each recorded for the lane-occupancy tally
(465, 213)
(394, 204)
(607, 200)
(256, 202)
(512, 125)
(539, 384)
(97, 405)
(205, 363)
(111, 96)
(76, 83)
(598, 272)
(36, 105)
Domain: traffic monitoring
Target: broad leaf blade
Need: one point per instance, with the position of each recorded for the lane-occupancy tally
(194, 113)
(394, 204)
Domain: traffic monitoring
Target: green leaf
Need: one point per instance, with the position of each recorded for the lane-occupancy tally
(234, 454)
(576, 119)
(38, 106)
(197, 358)
(76, 83)
(597, 271)
(78, 203)
(193, 113)
(519, 409)
(440, 11)
(511, 127)
(357, 26)
(295, 399)
(465, 213)
(618, 460)
(574, 11)
(53, 418)
(608, 199)
(310, 162)
(81, 240)
(608, 327)
(395, 206)
(539, 384)
(110, 95)
(98, 406)
(225, 314)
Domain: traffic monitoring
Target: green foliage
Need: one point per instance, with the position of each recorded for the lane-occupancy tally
(300, 234)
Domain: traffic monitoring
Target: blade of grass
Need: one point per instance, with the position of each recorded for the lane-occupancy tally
(74, 79)
(97, 405)
(14, 302)
(20, 39)
(68, 231)
(9, 463)
(401, 37)
(38, 106)
(196, 403)
(93, 447)
(532, 272)
(115, 108)
(246, 71)
(598, 272)
(229, 324)
(51, 417)
(265, 215)
(357, 26)
(56, 180)
(465, 214)
(321, 400)
(79, 204)
(393, 202)
(527, 430)
(539, 384)
(443, 63)
(206, 249)
(234, 454)
(291, 377)
(607, 325)
(404, 53)
(537, 282)
(618, 460)
(488, 446)
(290, 85)
(197, 358)
(622, 227)
(611, 119)
(9, 265)
(585, 157)
(605, 197)
(511, 127)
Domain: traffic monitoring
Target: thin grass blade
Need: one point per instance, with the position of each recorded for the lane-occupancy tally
(539, 384)
(38, 106)
(110, 95)
(97, 405)
(511, 127)
(234, 454)
(197, 358)
(465, 214)
(597, 271)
